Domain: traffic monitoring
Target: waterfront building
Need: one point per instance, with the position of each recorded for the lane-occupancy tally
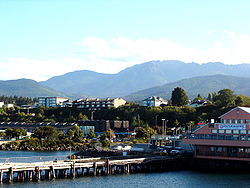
(98, 104)
(154, 101)
(51, 101)
(227, 140)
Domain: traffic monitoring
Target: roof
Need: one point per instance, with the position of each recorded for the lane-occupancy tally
(246, 109)
(154, 98)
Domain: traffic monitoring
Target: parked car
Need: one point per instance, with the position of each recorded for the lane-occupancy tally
(126, 147)
(177, 151)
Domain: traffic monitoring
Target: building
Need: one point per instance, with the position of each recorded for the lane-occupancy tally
(51, 101)
(30, 127)
(9, 105)
(198, 103)
(100, 126)
(154, 101)
(98, 104)
(227, 140)
(1, 104)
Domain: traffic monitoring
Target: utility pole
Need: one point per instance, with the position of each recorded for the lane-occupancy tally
(156, 120)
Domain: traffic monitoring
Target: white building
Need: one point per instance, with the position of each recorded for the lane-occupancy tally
(51, 101)
(154, 101)
(9, 105)
(1, 104)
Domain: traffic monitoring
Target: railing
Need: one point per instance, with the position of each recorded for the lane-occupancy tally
(32, 159)
(242, 137)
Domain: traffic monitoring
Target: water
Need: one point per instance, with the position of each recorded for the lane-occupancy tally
(164, 179)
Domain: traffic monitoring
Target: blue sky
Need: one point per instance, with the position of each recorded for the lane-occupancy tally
(44, 38)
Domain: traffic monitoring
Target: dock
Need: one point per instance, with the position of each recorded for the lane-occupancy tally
(13, 172)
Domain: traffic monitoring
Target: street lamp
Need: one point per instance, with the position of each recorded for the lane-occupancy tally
(92, 115)
(163, 127)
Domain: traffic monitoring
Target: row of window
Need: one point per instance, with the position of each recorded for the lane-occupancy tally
(233, 150)
(221, 137)
(239, 121)
(222, 131)
(104, 102)
(89, 106)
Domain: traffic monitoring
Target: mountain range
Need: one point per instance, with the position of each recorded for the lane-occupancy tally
(197, 85)
(142, 80)
(138, 77)
(26, 88)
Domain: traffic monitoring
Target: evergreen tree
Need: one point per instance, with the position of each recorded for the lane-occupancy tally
(179, 97)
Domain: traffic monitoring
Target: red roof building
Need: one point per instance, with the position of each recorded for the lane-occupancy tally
(228, 140)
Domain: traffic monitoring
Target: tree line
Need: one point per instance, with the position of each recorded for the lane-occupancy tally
(18, 100)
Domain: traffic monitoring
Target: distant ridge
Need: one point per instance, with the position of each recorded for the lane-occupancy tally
(197, 85)
(26, 88)
(138, 77)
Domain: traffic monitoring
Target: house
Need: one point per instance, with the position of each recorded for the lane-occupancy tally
(51, 101)
(227, 140)
(98, 104)
(154, 101)
(1, 104)
(198, 103)
(9, 105)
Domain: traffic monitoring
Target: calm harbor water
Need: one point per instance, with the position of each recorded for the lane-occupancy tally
(164, 179)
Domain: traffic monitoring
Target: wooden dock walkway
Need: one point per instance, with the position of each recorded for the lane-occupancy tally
(83, 167)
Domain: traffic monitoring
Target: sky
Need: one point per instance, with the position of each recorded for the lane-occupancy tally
(40, 39)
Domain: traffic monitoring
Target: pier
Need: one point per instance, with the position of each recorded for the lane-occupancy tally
(12, 172)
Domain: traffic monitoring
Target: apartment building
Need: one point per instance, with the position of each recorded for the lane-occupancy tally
(98, 104)
(51, 101)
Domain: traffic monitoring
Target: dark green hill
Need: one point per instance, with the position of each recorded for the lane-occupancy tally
(202, 85)
(138, 77)
(26, 88)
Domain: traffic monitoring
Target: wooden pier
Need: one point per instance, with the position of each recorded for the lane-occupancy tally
(10, 172)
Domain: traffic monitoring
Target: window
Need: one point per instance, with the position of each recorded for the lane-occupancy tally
(214, 137)
(224, 149)
(235, 131)
(234, 121)
(247, 150)
(242, 137)
(221, 137)
(246, 120)
(241, 150)
(214, 131)
(228, 131)
(235, 137)
(223, 121)
(228, 120)
(219, 149)
(228, 137)
(207, 136)
(248, 131)
(243, 132)
(248, 138)
(240, 121)
(221, 131)
(212, 149)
